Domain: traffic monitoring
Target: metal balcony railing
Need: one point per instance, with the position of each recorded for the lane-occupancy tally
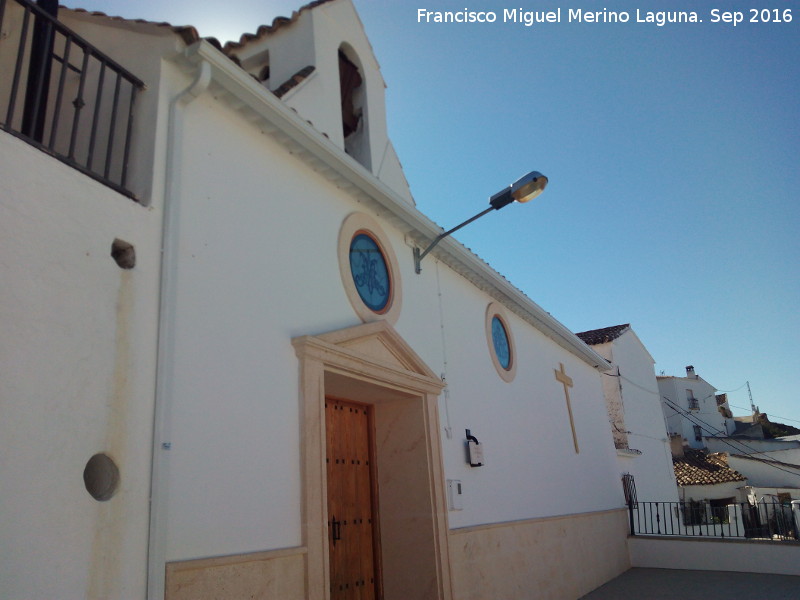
(765, 520)
(64, 96)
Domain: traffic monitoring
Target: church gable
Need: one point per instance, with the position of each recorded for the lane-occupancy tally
(380, 343)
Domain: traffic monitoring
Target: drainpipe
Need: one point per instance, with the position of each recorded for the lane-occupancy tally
(162, 414)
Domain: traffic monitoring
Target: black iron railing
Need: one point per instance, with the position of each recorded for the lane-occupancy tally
(61, 94)
(766, 520)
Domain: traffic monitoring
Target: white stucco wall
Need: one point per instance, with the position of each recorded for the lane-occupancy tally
(644, 420)
(257, 266)
(707, 415)
(778, 558)
(760, 473)
(251, 262)
(531, 468)
(731, 489)
(786, 451)
(77, 355)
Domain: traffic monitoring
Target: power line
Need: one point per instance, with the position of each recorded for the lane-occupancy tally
(773, 416)
(725, 440)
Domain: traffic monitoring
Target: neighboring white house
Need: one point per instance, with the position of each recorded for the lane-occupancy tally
(762, 471)
(221, 374)
(704, 476)
(693, 410)
(634, 408)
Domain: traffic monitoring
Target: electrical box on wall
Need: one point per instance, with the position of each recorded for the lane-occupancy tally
(474, 451)
(454, 494)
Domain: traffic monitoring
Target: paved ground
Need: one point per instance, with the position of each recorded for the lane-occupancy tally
(673, 584)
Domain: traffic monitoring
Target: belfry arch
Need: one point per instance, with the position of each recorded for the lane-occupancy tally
(354, 105)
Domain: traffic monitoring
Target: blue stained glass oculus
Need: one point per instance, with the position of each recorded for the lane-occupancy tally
(370, 272)
(502, 347)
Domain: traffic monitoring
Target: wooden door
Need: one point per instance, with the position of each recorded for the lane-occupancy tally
(352, 510)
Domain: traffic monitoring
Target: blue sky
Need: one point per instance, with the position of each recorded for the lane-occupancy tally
(671, 151)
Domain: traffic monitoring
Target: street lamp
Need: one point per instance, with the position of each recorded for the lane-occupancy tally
(522, 190)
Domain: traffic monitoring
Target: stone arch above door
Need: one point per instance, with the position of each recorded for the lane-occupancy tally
(373, 364)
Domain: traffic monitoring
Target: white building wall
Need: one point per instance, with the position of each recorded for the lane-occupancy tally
(644, 420)
(706, 415)
(786, 451)
(77, 354)
(257, 266)
(765, 474)
(251, 263)
(717, 491)
(531, 468)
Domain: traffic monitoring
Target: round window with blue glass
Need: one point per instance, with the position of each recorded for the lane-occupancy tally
(370, 272)
(502, 347)
(500, 339)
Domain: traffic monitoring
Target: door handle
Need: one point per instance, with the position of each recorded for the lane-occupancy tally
(336, 530)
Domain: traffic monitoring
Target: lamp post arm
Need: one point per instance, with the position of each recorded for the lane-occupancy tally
(418, 256)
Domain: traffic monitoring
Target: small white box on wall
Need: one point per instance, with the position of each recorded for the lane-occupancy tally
(454, 494)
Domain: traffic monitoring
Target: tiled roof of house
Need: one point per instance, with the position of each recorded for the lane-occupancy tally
(697, 467)
(277, 23)
(601, 336)
(293, 81)
(189, 34)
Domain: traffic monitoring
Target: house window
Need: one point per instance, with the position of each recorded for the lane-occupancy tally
(698, 433)
(501, 342)
(692, 401)
(719, 509)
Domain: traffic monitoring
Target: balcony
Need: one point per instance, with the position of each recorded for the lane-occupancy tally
(62, 95)
(694, 404)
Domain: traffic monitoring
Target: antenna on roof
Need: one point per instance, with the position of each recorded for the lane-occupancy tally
(752, 406)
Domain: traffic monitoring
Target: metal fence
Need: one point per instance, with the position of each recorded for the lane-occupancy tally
(61, 94)
(765, 520)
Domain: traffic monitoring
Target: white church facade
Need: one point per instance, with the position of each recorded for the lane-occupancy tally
(222, 375)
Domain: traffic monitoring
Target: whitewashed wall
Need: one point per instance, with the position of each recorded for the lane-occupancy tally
(531, 467)
(787, 451)
(717, 491)
(251, 263)
(708, 416)
(644, 419)
(257, 266)
(77, 355)
(764, 474)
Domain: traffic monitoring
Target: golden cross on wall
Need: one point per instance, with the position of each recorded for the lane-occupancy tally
(566, 380)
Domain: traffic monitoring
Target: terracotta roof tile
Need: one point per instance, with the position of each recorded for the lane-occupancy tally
(187, 32)
(277, 23)
(601, 336)
(294, 81)
(697, 467)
